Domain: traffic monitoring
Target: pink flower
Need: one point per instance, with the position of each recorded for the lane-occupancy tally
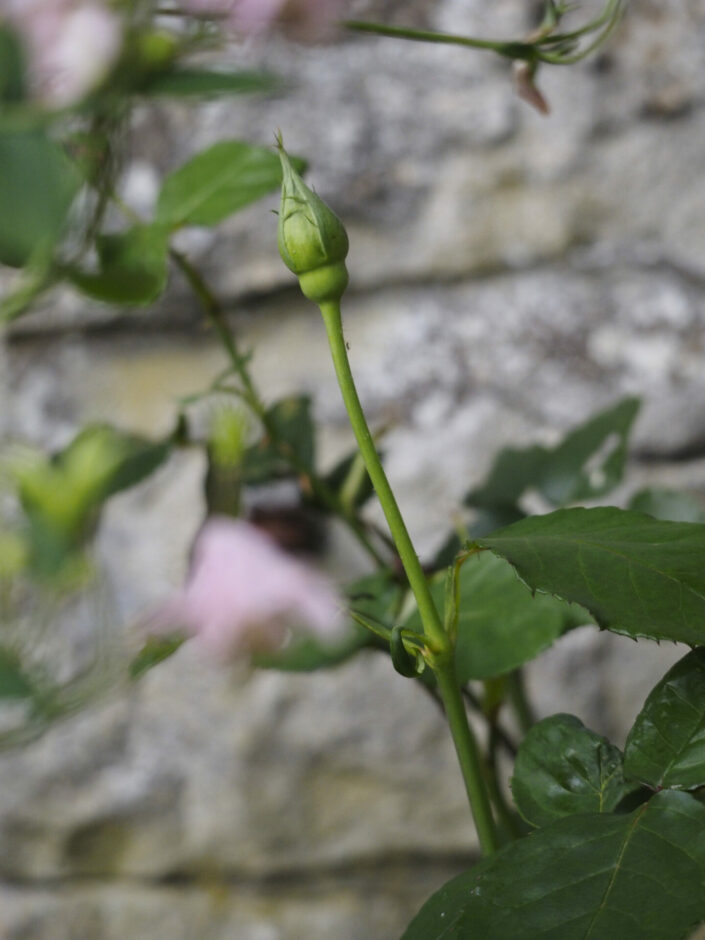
(301, 19)
(244, 594)
(71, 45)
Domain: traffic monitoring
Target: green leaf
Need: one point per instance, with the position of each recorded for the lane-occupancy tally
(294, 441)
(12, 67)
(62, 496)
(37, 186)
(501, 625)
(132, 266)
(350, 479)
(183, 82)
(638, 576)
(217, 182)
(377, 596)
(588, 877)
(14, 684)
(306, 653)
(514, 470)
(155, 650)
(562, 769)
(123, 459)
(668, 504)
(588, 463)
(666, 746)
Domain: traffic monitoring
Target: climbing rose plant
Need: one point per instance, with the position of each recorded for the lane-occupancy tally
(590, 840)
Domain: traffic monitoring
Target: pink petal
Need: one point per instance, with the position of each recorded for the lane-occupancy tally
(244, 594)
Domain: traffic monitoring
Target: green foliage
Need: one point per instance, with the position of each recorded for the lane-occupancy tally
(37, 186)
(62, 496)
(351, 481)
(377, 596)
(562, 768)
(132, 266)
(12, 68)
(14, 683)
(155, 650)
(586, 464)
(306, 653)
(216, 183)
(666, 746)
(188, 83)
(638, 576)
(637, 876)
(667, 504)
(501, 625)
(292, 444)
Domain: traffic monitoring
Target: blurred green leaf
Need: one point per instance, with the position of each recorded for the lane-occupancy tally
(14, 684)
(12, 67)
(350, 480)
(184, 82)
(306, 653)
(636, 876)
(294, 441)
(638, 576)
(563, 768)
(668, 504)
(588, 463)
(501, 625)
(62, 496)
(514, 470)
(37, 186)
(666, 746)
(155, 650)
(116, 459)
(377, 596)
(218, 182)
(590, 460)
(133, 266)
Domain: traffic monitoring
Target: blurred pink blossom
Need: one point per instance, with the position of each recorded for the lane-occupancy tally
(244, 594)
(301, 19)
(70, 44)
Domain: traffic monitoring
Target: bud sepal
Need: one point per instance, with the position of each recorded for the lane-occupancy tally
(312, 240)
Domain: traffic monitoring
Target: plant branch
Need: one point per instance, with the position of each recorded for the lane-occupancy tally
(510, 50)
(440, 650)
(216, 315)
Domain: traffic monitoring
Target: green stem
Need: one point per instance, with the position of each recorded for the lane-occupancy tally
(410, 560)
(468, 755)
(511, 50)
(504, 812)
(215, 314)
(516, 692)
(440, 645)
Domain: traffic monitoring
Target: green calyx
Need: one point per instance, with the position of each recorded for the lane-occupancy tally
(313, 242)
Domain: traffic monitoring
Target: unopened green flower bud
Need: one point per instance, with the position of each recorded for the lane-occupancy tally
(312, 240)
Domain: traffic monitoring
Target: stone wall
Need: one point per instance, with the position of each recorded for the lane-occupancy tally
(511, 275)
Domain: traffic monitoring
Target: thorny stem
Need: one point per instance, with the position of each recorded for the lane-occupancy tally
(439, 646)
(407, 552)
